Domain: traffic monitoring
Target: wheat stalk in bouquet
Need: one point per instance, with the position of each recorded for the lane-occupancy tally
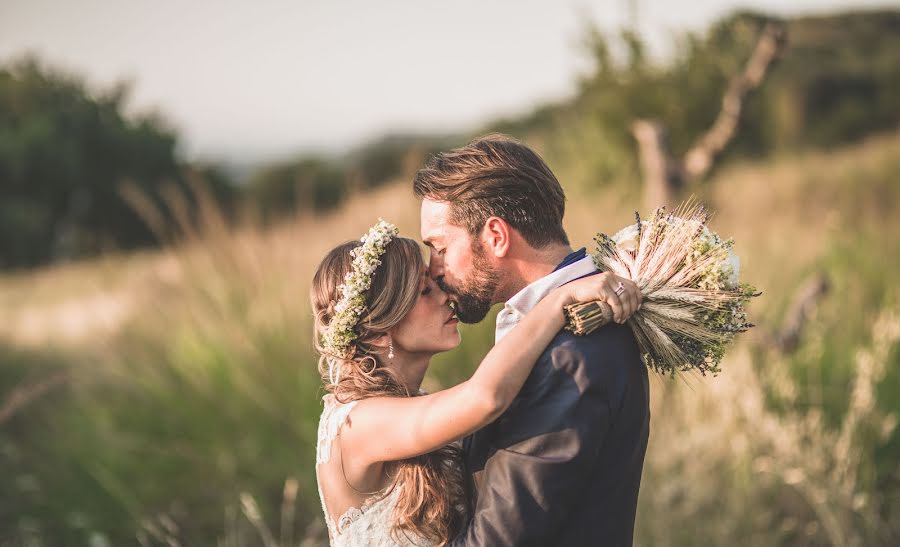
(693, 303)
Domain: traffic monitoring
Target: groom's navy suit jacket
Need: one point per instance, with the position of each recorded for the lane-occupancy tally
(562, 466)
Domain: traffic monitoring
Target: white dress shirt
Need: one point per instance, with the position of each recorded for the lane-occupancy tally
(524, 301)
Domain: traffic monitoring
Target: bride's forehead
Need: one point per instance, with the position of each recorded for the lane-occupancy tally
(424, 277)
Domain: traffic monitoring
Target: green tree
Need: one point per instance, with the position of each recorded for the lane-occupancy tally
(64, 152)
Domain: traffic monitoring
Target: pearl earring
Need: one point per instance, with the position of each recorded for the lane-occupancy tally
(391, 349)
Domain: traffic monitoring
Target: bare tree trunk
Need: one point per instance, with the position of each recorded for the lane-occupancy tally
(665, 176)
(699, 159)
(662, 178)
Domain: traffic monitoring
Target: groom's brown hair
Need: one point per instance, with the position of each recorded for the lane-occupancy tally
(496, 175)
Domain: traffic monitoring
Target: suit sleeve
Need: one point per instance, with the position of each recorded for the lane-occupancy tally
(544, 448)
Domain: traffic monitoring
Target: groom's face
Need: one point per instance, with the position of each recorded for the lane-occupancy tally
(458, 263)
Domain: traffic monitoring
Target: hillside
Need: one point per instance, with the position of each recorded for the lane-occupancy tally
(72, 152)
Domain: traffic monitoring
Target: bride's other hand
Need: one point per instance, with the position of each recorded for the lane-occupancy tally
(624, 299)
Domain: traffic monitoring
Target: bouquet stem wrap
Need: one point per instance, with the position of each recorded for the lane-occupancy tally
(586, 317)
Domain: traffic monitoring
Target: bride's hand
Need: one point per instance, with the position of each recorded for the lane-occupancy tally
(622, 295)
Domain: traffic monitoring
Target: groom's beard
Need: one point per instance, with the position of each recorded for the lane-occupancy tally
(474, 297)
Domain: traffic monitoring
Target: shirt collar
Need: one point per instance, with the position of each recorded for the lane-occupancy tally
(572, 258)
(517, 307)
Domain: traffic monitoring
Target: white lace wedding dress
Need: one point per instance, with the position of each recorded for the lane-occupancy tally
(370, 524)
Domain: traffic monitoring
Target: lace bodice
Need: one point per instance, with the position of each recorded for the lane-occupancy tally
(370, 524)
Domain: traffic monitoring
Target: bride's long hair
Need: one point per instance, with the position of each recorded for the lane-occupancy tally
(432, 501)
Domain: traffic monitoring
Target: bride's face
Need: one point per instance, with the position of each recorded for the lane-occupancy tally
(430, 326)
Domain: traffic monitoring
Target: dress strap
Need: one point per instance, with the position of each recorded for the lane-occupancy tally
(333, 417)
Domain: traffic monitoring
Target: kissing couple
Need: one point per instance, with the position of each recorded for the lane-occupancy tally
(544, 444)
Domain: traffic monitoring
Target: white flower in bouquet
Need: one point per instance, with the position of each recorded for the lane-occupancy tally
(628, 237)
(732, 270)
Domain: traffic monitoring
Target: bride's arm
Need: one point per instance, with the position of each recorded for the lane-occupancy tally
(394, 428)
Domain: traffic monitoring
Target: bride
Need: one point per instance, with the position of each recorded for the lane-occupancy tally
(386, 463)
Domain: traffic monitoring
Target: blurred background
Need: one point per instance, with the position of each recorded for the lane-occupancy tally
(171, 173)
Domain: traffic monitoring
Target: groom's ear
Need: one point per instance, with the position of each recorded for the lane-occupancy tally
(496, 236)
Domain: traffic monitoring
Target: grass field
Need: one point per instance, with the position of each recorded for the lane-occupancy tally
(171, 397)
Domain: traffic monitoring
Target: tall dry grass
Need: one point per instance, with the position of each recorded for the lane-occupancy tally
(187, 411)
(766, 476)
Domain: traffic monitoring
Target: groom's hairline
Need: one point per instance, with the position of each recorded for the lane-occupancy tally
(534, 230)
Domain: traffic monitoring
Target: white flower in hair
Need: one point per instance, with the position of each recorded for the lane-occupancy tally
(340, 334)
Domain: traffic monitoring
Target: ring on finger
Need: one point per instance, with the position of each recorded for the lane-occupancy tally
(620, 289)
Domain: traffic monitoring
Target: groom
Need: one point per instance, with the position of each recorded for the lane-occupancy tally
(562, 466)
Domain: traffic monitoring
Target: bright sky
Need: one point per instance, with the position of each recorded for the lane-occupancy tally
(251, 80)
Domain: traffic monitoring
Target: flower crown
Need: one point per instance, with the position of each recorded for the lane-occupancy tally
(340, 334)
